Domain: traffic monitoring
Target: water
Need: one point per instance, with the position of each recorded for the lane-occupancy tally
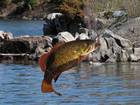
(107, 84)
(22, 27)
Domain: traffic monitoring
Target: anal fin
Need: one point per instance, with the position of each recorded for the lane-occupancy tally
(56, 77)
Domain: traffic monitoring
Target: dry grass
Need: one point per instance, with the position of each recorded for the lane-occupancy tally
(131, 6)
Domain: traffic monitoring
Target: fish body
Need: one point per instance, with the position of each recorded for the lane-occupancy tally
(62, 58)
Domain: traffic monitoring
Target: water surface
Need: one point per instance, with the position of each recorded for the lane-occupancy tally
(107, 84)
(22, 27)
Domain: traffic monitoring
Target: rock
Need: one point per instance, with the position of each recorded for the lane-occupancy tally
(52, 24)
(112, 19)
(119, 13)
(27, 45)
(82, 36)
(134, 58)
(113, 48)
(57, 22)
(92, 34)
(63, 37)
(1, 35)
(83, 30)
(124, 43)
(137, 52)
(5, 35)
(85, 33)
(129, 30)
(38, 52)
(100, 24)
(53, 16)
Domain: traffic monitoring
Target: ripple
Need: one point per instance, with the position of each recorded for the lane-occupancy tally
(85, 85)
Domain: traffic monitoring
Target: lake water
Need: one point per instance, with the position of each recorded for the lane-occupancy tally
(106, 84)
(22, 27)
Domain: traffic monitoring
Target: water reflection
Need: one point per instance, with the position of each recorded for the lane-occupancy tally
(107, 84)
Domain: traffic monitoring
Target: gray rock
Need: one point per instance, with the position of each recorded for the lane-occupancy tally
(123, 43)
(26, 45)
(119, 13)
(100, 24)
(129, 30)
(134, 58)
(113, 48)
(135, 55)
(82, 36)
(92, 34)
(5, 35)
(63, 37)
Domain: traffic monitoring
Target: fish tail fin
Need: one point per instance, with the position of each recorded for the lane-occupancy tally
(46, 87)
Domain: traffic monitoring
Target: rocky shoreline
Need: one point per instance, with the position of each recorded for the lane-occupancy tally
(119, 38)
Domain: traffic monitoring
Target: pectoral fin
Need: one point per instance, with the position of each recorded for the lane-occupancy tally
(42, 61)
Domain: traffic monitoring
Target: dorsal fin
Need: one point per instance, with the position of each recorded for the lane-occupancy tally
(43, 59)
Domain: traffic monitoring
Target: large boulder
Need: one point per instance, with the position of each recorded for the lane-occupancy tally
(124, 43)
(129, 30)
(26, 45)
(113, 48)
(52, 24)
(57, 22)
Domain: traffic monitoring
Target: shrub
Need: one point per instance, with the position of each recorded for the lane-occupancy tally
(71, 7)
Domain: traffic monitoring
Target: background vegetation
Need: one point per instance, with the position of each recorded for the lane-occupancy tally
(70, 7)
(131, 6)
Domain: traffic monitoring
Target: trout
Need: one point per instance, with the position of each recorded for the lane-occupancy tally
(63, 57)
